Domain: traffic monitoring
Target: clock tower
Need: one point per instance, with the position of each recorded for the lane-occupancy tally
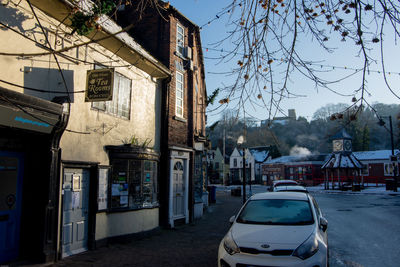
(342, 142)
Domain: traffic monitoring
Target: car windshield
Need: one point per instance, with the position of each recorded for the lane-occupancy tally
(276, 211)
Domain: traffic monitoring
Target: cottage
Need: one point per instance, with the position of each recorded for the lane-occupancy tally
(81, 127)
(236, 166)
(216, 166)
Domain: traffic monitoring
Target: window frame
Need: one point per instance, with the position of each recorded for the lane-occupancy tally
(108, 106)
(180, 39)
(177, 98)
(130, 173)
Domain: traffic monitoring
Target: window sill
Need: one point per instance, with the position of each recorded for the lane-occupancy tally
(180, 55)
(179, 119)
(120, 210)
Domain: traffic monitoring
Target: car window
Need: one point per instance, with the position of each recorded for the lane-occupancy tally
(284, 184)
(276, 211)
(316, 207)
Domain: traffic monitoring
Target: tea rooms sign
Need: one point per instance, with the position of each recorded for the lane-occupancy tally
(99, 85)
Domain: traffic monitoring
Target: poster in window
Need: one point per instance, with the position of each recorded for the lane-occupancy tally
(102, 195)
(388, 169)
(115, 189)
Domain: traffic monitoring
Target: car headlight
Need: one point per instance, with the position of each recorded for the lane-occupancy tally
(229, 244)
(308, 248)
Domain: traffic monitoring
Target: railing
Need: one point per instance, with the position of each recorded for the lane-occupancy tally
(368, 180)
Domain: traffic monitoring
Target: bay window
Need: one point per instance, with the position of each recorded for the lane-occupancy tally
(133, 181)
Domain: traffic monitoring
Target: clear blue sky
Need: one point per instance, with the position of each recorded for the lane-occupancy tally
(203, 11)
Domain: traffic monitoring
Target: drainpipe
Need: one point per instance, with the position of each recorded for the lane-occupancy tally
(52, 218)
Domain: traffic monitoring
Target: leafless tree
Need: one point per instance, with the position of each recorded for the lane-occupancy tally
(266, 34)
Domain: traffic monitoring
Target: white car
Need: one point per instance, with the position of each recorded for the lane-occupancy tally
(290, 188)
(276, 229)
(282, 183)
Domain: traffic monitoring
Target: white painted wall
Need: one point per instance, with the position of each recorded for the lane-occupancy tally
(145, 117)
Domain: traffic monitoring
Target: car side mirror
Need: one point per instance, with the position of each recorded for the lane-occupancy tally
(232, 219)
(323, 223)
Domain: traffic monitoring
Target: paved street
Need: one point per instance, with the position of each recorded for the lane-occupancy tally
(186, 246)
(363, 232)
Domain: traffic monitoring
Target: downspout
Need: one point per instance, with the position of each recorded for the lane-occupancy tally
(52, 212)
(164, 159)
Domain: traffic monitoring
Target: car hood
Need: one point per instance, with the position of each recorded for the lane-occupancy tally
(272, 237)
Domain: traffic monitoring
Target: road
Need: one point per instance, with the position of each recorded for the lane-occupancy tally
(364, 230)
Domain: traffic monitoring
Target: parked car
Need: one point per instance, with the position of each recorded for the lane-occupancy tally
(290, 188)
(281, 182)
(276, 229)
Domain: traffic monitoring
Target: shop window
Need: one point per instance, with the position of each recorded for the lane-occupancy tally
(133, 184)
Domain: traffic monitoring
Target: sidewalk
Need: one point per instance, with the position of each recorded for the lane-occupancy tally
(192, 245)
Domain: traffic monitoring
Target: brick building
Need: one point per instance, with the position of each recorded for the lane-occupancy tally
(175, 40)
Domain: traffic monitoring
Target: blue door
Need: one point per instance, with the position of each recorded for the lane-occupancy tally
(11, 167)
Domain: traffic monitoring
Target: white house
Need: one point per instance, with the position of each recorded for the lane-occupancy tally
(236, 165)
(260, 154)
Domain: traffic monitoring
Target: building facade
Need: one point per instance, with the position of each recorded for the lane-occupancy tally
(236, 166)
(173, 38)
(81, 169)
(216, 166)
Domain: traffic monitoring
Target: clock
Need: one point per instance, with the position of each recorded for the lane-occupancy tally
(337, 145)
(347, 145)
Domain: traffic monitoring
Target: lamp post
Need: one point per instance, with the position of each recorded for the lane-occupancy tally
(393, 158)
(240, 141)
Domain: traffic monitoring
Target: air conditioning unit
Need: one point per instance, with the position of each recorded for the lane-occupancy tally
(191, 65)
(187, 52)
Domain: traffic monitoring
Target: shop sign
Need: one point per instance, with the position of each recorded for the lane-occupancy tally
(99, 85)
(27, 119)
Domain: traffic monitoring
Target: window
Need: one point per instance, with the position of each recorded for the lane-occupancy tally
(217, 165)
(234, 162)
(276, 211)
(180, 39)
(133, 184)
(365, 170)
(120, 105)
(179, 94)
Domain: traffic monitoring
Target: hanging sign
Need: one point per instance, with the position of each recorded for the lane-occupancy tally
(99, 85)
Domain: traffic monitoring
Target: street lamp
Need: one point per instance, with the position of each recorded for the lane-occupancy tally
(240, 142)
(393, 158)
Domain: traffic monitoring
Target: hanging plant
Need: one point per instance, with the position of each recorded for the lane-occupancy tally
(84, 23)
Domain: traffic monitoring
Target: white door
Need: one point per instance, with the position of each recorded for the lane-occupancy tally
(178, 193)
(75, 211)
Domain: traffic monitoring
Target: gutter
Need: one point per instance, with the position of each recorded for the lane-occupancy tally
(127, 48)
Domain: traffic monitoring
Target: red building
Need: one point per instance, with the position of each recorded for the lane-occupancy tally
(305, 169)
